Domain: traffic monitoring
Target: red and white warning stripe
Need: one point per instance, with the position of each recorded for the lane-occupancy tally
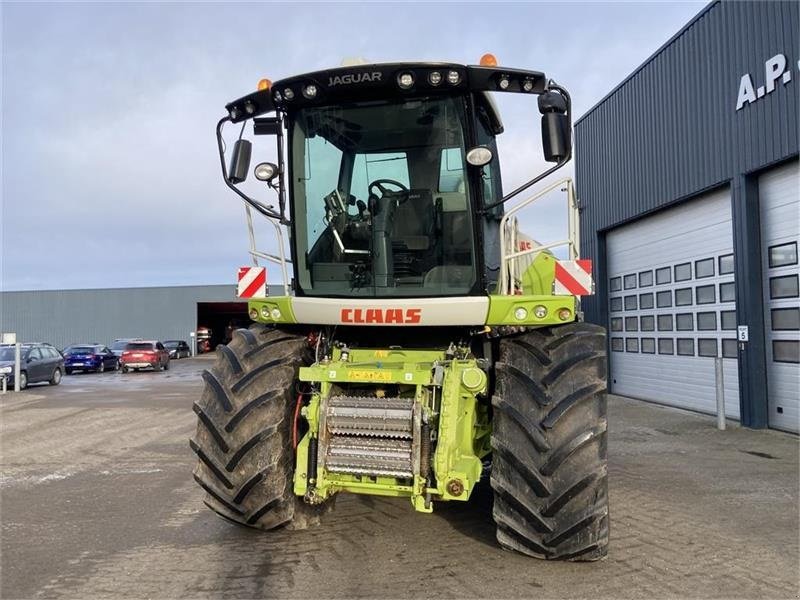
(573, 277)
(252, 282)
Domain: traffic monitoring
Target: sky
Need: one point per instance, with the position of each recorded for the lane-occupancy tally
(110, 174)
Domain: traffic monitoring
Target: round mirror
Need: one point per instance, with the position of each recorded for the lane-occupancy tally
(265, 171)
(479, 156)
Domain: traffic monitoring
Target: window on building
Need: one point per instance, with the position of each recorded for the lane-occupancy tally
(685, 347)
(783, 287)
(648, 345)
(630, 281)
(683, 272)
(645, 279)
(705, 294)
(646, 301)
(727, 292)
(729, 348)
(663, 275)
(683, 297)
(617, 345)
(666, 346)
(726, 264)
(728, 320)
(704, 268)
(684, 322)
(647, 323)
(786, 351)
(707, 321)
(616, 304)
(615, 284)
(631, 344)
(664, 299)
(630, 302)
(665, 322)
(707, 347)
(783, 255)
(616, 323)
(631, 323)
(785, 319)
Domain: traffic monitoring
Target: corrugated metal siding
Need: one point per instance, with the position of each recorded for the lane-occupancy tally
(672, 130)
(62, 317)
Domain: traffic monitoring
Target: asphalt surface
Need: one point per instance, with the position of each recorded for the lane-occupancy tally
(97, 500)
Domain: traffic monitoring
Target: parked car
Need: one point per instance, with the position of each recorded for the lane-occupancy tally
(147, 354)
(118, 345)
(89, 357)
(38, 363)
(178, 349)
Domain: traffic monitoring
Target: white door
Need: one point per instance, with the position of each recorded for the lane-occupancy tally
(672, 307)
(778, 191)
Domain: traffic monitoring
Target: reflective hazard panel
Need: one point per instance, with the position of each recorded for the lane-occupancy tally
(573, 277)
(252, 282)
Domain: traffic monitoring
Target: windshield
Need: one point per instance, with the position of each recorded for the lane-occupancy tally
(7, 353)
(119, 345)
(381, 201)
(170, 344)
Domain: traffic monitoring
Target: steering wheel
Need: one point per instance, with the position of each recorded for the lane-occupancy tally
(380, 185)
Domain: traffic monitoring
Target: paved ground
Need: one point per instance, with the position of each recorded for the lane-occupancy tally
(98, 501)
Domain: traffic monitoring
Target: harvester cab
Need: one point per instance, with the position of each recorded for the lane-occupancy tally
(421, 336)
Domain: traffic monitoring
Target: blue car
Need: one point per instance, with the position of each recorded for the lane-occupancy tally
(89, 357)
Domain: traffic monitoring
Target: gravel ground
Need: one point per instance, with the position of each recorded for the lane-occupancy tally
(97, 500)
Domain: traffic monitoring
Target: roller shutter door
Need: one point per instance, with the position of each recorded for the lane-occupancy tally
(672, 306)
(780, 220)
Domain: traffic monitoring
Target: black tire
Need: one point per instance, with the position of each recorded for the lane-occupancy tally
(124, 369)
(244, 431)
(101, 368)
(166, 366)
(56, 378)
(68, 371)
(549, 471)
(23, 380)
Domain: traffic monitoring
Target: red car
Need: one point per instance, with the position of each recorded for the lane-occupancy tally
(144, 355)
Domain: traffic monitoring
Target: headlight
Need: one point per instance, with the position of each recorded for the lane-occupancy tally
(453, 77)
(405, 80)
(288, 93)
(4, 370)
(504, 82)
(435, 78)
(310, 91)
(540, 311)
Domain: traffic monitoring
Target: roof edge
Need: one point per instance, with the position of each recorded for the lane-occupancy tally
(649, 59)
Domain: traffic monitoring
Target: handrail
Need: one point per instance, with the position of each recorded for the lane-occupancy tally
(509, 230)
(255, 254)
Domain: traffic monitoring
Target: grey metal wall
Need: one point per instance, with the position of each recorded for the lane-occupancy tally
(62, 317)
(671, 131)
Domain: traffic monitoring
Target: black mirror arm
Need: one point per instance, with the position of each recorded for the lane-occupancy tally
(551, 85)
(258, 206)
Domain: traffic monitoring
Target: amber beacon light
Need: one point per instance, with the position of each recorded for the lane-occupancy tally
(488, 60)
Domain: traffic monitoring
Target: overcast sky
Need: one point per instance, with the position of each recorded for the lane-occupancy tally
(110, 176)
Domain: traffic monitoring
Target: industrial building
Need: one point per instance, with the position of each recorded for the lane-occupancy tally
(688, 180)
(64, 317)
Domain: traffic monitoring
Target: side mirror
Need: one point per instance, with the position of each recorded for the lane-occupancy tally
(556, 134)
(240, 161)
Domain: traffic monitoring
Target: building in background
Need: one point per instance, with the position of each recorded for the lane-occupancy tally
(687, 174)
(64, 317)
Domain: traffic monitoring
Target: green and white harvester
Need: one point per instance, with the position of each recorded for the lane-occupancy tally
(422, 343)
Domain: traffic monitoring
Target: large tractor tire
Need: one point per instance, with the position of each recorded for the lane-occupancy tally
(244, 430)
(549, 471)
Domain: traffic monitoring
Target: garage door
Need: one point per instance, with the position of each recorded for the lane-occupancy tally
(672, 306)
(780, 212)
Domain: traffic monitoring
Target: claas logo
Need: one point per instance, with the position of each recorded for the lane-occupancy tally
(389, 316)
